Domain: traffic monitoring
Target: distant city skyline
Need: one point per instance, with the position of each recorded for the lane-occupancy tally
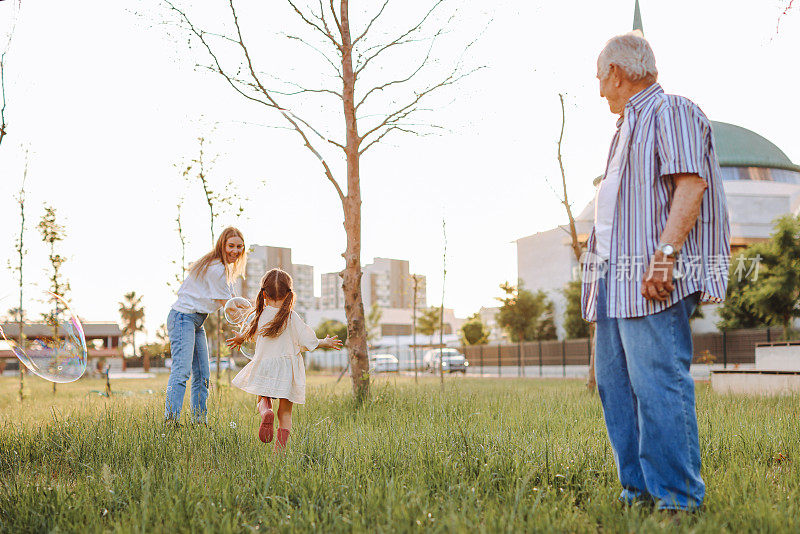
(387, 282)
(110, 113)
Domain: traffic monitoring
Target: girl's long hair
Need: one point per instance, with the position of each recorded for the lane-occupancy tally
(275, 285)
(232, 270)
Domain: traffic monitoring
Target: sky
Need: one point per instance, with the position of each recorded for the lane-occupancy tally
(109, 100)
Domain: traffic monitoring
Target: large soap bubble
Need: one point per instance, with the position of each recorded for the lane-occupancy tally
(237, 309)
(53, 347)
(248, 348)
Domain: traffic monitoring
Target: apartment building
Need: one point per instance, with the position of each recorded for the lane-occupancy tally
(385, 282)
(261, 259)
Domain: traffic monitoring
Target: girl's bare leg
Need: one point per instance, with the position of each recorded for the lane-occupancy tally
(285, 414)
(284, 423)
(264, 404)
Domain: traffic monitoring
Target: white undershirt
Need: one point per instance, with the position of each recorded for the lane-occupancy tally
(605, 201)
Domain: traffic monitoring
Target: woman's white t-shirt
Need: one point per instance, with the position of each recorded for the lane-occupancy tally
(198, 294)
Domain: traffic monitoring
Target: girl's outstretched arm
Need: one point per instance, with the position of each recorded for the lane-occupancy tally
(236, 341)
(330, 342)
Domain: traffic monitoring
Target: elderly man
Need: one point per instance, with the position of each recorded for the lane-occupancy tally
(660, 245)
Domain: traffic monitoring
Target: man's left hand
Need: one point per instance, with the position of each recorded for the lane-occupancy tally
(657, 283)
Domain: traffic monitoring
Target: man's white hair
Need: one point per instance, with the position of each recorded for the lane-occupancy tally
(632, 53)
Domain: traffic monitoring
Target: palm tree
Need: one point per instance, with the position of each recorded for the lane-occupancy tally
(132, 313)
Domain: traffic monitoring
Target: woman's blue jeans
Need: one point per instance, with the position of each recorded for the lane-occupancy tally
(642, 370)
(189, 348)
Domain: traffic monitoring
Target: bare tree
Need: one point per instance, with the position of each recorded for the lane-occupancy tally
(789, 6)
(350, 54)
(441, 309)
(53, 233)
(576, 245)
(19, 247)
(577, 249)
(3, 124)
(201, 167)
(216, 199)
(182, 238)
(415, 278)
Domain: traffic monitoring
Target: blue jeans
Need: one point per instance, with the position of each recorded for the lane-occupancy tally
(642, 370)
(189, 348)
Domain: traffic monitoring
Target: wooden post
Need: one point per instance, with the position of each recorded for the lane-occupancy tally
(414, 327)
(724, 349)
(564, 358)
(481, 353)
(589, 347)
(540, 357)
(519, 359)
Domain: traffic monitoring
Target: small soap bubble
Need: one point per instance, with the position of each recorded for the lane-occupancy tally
(52, 345)
(237, 309)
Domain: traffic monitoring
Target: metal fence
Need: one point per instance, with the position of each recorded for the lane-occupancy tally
(567, 358)
(726, 348)
(337, 360)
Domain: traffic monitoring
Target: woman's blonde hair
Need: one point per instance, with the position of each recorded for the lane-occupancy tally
(232, 270)
(275, 285)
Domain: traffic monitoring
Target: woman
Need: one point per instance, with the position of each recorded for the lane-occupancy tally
(205, 290)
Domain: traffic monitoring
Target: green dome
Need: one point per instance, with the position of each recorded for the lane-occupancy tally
(739, 147)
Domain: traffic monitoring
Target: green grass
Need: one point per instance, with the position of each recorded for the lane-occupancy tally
(484, 455)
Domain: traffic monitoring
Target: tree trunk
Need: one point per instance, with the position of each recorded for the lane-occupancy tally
(413, 329)
(787, 327)
(21, 346)
(353, 303)
(591, 383)
(218, 345)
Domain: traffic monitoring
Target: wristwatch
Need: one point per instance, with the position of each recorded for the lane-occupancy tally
(668, 249)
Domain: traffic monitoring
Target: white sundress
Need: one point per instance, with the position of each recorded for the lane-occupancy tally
(277, 369)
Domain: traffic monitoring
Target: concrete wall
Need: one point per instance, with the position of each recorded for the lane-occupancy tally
(778, 357)
(545, 261)
(753, 383)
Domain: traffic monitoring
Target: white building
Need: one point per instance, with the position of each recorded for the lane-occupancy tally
(303, 278)
(760, 183)
(394, 321)
(488, 317)
(385, 282)
(332, 297)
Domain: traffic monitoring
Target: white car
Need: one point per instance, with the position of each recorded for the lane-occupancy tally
(225, 363)
(383, 363)
(451, 360)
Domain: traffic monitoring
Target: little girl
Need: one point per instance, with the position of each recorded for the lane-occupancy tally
(277, 370)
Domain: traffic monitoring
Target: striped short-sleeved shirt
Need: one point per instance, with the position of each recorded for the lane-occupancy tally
(669, 135)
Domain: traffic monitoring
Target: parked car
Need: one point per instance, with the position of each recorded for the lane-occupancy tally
(225, 363)
(383, 363)
(451, 360)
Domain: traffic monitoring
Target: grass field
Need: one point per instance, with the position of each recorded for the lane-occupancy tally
(483, 455)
